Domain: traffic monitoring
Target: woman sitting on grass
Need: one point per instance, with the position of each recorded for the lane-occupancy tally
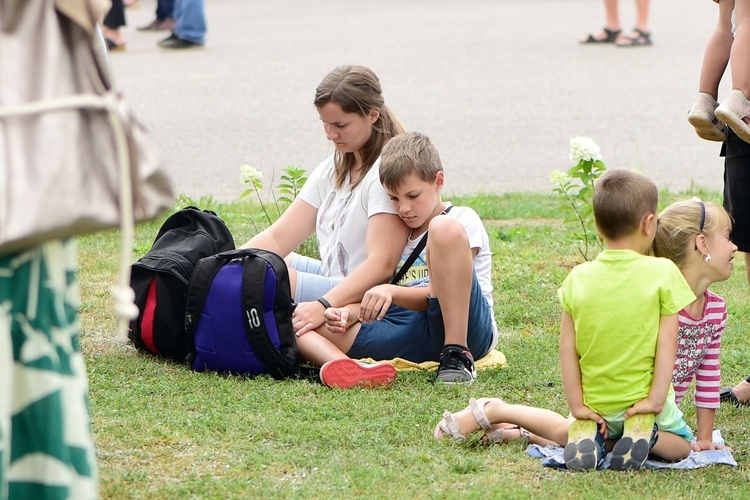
(359, 235)
(694, 235)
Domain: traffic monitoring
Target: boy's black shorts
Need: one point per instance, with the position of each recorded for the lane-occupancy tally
(736, 153)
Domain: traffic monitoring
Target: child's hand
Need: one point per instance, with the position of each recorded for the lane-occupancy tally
(644, 406)
(586, 413)
(336, 319)
(375, 303)
(706, 444)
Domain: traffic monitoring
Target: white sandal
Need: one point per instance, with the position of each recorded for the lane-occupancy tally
(732, 111)
(449, 425)
(703, 118)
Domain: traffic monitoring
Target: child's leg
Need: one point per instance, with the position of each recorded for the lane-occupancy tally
(545, 424)
(716, 56)
(449, 260)
(671, 447)
(734, 110)
(740, 54)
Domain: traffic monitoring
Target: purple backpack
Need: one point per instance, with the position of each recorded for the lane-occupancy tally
(239, 315)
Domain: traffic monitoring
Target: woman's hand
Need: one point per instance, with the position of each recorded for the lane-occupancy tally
(307, 316)
(375, 303)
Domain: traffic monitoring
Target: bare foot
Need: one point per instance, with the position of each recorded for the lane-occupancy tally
(113, 34)
(742, 391)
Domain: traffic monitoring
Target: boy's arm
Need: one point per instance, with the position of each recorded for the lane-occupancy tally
(666, 350)
(379, 298)
(571, 373)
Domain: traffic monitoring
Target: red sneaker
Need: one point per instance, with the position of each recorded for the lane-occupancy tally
(345, 373)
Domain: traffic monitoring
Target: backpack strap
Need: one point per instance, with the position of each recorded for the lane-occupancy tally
(257, 265)
(415, 253)
(412, 257)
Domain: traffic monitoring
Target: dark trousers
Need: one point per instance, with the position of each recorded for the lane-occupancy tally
(116, 15)
(736, 154)
(164, 9)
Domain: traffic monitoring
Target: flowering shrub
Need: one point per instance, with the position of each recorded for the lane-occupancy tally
(576, 190)
(292, 180)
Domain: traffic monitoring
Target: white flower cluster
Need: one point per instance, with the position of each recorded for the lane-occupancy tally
(583, 148)
(559, 178)
(251, 175)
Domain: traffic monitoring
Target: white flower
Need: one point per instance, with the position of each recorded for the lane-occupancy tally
(251, 175)
(583, 148)
(559, 178)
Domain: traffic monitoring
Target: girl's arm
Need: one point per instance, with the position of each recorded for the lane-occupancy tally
(666, 350)
(704, 436)
(294, 226)
(385, 240)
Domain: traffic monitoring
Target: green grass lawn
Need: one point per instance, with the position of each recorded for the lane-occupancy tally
(163, 431)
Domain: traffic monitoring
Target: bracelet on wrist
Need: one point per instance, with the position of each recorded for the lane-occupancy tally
(325, 303)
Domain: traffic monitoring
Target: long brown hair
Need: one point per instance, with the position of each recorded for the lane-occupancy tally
(356, 89)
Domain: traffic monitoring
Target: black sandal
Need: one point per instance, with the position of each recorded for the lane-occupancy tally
(641, 38)
(611, 37)
(727, 394)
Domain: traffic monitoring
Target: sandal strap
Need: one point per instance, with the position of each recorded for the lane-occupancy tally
(496, 435)
(477, 409)
(611, 34)
(450, 427)
(479, 415)
(525, 434)
(642, 33)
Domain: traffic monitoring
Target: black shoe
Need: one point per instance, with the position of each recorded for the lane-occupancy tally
(727, 394)
(456, 366)
(174, 42)
(171, 38)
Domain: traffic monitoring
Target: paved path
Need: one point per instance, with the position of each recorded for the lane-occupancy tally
(500, 85)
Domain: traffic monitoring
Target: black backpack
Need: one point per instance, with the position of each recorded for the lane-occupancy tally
(239, 315)
(160, 279)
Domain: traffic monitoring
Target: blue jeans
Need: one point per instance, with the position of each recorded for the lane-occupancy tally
(311, 283)
(419, 336)
(190, 16)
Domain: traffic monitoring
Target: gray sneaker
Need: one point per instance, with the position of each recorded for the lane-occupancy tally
(456, 366)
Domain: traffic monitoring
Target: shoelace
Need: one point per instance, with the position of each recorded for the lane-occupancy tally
(452, 360)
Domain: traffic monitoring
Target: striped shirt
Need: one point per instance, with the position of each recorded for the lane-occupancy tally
(698, 345)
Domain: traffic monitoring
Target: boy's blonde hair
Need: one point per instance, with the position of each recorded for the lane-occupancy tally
(679, 224)
(621, 199)
(406, 154)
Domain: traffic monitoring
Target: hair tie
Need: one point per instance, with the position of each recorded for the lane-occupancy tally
(703, 212)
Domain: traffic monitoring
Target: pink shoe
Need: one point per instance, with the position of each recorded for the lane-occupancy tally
(702, 117)
(345, 373)
(732, 111)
